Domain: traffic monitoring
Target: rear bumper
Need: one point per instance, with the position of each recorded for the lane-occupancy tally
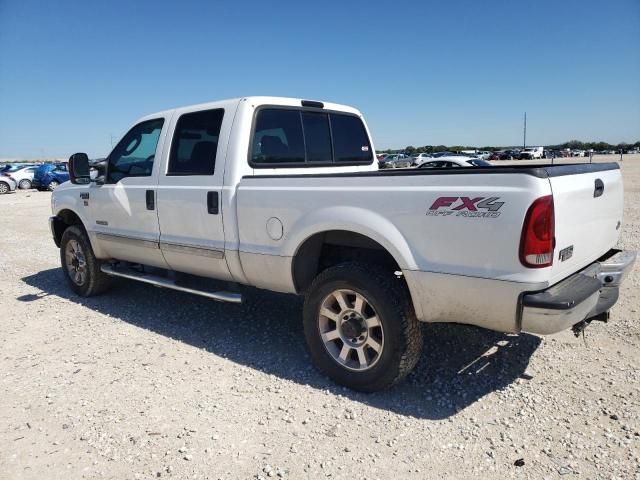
(582, 296)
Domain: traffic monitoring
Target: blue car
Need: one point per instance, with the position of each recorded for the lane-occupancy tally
(49, 176)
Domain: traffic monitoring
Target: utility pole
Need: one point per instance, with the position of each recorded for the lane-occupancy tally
(524, 141)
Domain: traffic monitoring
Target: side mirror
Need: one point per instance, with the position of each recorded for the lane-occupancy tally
(79, 169)
(98, 170)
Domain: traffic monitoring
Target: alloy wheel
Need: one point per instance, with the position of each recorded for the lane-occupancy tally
(76, 262)
(351, 330)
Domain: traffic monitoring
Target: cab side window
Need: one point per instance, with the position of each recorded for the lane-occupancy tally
(135, 153)
(195, 143)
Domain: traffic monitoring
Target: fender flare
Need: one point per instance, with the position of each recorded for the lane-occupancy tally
(352, 219)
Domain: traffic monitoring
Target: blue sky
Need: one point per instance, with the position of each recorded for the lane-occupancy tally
(75, 73)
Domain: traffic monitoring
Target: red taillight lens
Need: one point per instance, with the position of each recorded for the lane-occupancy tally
(538, 232)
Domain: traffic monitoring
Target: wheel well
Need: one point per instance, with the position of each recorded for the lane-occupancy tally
(63, 220)
(326, 249)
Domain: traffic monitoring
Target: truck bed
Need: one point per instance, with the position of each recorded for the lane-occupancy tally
(537, 170)
(442, 251)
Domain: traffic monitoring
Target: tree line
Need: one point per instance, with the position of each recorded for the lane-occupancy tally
(573, 145)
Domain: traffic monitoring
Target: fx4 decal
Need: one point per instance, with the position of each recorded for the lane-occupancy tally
(479, 207)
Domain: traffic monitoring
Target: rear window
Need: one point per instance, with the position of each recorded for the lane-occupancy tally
(278, 137)
(350, 140)
(283, 137)
(317, 135)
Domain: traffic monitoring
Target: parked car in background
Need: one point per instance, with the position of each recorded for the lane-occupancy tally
(420, 158)
(7, 184)
(476, 153)
(12, 167)
(455, 162)
(398, 160)
(24, 176)
(442, 154)
(504, 155)
(49, 176)
(532, 153)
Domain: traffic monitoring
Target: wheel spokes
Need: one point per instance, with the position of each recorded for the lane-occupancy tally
(350, 329)
(362, 357)
(331, 335)
(329, 314)
(372, 322)
(342, 300)
(374, 344)
(344, 353)
(359, 304)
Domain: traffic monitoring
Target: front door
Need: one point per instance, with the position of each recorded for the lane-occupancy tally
(189, 194)
(124, 207)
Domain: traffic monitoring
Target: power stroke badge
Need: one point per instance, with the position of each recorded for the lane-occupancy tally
(478, 207)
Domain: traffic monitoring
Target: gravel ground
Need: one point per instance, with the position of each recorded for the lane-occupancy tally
(150, 383)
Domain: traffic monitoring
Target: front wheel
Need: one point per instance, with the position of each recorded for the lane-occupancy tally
(80, 265)
(360, 327)
(4, 188)
(53, 185)
(24, 184)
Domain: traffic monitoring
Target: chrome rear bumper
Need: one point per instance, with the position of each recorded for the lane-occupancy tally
(582, 296)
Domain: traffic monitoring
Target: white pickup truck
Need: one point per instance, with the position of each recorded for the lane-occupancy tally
(284, 194)
(532, 153)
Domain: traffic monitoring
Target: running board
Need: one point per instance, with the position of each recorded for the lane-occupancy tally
(166, 283)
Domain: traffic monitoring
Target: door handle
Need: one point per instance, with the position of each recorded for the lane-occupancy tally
(151, 200)
(599, 188)
(213, 204)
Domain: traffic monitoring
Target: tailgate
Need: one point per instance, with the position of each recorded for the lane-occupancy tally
(588, 201)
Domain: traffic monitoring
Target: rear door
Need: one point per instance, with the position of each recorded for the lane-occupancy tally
(588, 215)
(189, 193)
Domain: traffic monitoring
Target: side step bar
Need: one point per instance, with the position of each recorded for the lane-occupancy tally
(166, 283)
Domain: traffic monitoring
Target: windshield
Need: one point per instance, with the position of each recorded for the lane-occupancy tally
(479, 163)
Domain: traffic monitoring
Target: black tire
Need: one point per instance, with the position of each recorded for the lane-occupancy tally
(95, 281)
(53, 185)
(4, 188)
(25, 184)
(389, 298)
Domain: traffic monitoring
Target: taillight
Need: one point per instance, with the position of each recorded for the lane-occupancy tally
(537, 241)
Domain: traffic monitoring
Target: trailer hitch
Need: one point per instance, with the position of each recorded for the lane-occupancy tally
(579, 327)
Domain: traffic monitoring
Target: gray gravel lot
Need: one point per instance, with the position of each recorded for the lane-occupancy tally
(150, 383)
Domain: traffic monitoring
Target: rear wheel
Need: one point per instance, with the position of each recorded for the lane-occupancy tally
(80, 265)
(360, 327)
(53, 185)
(4, 188)
(25, 184)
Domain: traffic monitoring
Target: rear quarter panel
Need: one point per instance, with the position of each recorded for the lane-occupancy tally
(399, 213)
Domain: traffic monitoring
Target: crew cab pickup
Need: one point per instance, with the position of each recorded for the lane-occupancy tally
(532, 153)
(285, 195)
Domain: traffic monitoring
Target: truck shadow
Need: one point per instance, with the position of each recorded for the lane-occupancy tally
(459, 365)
